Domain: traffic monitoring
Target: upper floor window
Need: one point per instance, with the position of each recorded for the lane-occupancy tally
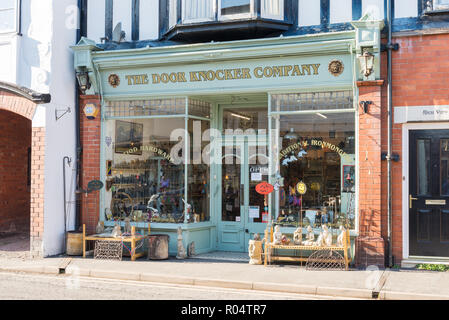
(194, 11)
(222, 20)
(440, 4)
(436, 6)
(8, 15)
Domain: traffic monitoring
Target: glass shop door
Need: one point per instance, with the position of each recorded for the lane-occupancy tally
(243, 166)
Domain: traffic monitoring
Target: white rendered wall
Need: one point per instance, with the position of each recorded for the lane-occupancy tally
(309, 13)
(45, 64)
(8, 57)
(122, 12)
(96, 20)
(149, 19)
(61, 134)
(405, 8)
(340, 11)
(375, 7)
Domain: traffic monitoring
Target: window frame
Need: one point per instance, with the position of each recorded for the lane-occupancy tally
(17, 14)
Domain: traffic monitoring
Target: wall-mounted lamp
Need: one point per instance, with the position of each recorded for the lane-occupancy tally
(366, 61)
(83, 80)
(365, 105)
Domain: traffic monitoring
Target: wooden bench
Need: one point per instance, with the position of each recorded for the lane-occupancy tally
(126, 239)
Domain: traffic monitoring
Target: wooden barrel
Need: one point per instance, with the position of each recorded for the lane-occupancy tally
(74, 243)
(158, 246)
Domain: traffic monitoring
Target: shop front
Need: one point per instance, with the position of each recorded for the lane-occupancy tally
(187, 132)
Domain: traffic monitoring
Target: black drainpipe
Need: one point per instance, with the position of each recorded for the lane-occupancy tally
(81, 31)
(390, 47)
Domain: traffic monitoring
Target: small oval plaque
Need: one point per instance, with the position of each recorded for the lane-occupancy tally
(94, 185)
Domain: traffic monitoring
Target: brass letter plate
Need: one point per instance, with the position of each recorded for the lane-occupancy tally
(436, 202)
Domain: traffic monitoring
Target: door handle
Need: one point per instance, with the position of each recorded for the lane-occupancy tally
(410, 201)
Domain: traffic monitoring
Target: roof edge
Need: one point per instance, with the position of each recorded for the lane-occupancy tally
(36, 97)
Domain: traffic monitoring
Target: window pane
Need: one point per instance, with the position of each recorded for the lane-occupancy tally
(444, 166)
(146, 180)
(272, 8)
(198, 172)
(232, 189)
(423, 162)
(7, 20)
(199, 108)
(319, 150)
(229, 7)
(247, 121)
(312, 101)
(155, 107)
(198, 9)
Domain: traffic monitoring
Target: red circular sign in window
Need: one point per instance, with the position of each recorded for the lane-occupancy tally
(264, 188)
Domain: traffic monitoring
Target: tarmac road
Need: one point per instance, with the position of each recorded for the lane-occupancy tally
(63, 287)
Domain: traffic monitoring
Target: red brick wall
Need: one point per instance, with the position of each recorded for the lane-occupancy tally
(15, 140)
(37, 191)
(90, 163)
(369, 243)
(420, 78)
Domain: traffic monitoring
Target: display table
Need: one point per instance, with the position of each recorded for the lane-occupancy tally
(270, 247)
(126, 239)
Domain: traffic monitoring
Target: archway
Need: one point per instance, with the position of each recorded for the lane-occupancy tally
(22, 159)
(15, 186)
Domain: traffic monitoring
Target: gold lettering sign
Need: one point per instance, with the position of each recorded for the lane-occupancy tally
(224, 74)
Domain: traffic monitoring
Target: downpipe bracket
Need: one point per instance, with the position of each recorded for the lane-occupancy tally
(389, 46)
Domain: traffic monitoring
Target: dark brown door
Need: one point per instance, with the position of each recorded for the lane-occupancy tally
(429, 193)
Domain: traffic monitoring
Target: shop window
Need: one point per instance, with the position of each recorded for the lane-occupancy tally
(149, 177)
(315, 134)
(198, 171)
(8, 16)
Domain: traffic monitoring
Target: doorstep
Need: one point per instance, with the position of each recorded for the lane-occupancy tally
(411, 262)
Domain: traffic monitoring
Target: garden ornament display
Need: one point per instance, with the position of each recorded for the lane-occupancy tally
(181, 250)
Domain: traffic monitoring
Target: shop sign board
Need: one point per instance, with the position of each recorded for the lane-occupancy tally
(234, 75)
(264, 188)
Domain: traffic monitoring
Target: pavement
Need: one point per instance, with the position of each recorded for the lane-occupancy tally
(232, 270)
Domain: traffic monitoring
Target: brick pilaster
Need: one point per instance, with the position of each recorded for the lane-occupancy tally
(37, 191)
(370, 248)
(90, 163)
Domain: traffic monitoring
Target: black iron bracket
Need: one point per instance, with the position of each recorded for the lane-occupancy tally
(364, 105)
(389, 46)
(394, 157)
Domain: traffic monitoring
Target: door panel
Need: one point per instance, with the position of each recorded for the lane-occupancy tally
(429, 193)
(231, 225)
